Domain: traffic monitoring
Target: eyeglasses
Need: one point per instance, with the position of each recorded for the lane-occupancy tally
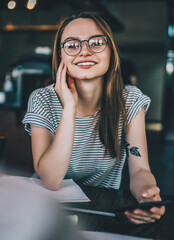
(73, 47)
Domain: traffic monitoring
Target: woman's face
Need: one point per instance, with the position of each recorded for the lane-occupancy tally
(83, 29)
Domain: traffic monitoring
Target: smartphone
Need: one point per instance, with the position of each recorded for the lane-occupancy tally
(144, 205)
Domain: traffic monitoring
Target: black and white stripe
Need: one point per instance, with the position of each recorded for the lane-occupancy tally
(88, 164)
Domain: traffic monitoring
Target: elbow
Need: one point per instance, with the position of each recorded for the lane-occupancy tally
(49, 180)
(52, 185)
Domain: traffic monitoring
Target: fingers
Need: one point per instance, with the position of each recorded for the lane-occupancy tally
(65, 88)
(139, 221)
(138, 216)
(61, 77)
(71, 83)
(59, 73)
(158, 211)
(152, 194)
(147, 214)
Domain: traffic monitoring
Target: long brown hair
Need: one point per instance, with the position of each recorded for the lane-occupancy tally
(112, 102)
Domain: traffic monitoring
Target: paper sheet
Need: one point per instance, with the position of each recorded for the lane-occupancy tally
(68, 192)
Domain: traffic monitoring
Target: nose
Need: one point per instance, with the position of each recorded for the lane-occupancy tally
(85, 51)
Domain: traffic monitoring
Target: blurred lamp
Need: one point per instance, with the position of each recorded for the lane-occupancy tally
(43, 50)
(11, 4)
(171, 31)
(31, 4)
(169, 67)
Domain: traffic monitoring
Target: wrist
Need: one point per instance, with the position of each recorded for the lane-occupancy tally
(69, 111)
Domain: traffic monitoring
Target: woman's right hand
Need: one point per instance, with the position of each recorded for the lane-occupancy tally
(67, 94)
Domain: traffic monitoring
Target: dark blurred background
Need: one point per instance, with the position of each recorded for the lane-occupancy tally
(144, 30)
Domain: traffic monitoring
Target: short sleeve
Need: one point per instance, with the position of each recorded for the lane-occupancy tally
(135, 100)
(38, 112)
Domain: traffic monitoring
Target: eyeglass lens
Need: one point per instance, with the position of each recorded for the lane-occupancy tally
(95, 44)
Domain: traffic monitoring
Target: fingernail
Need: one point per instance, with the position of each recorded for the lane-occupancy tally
(144, 194)
(153, 210)
(136, 211)
(126, 213)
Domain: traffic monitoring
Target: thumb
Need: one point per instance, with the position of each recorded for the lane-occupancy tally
(151, 192)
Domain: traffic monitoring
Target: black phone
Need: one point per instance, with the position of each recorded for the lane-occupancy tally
(144, 206)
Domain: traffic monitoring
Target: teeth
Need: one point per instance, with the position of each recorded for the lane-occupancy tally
(85, 63)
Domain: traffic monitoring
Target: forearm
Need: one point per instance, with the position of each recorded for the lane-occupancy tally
(140, 181)
(53, 164)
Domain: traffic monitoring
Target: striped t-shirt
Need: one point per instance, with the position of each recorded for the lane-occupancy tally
(88, 164)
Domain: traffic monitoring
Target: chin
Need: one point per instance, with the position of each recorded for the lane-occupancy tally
(83, 76)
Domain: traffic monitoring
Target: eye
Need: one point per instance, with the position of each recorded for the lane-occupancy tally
(96, 42)
(72, 44)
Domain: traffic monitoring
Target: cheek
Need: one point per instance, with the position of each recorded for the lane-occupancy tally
(63, 57)
(70, 69)
(106, 64)
(67, 61)
(106, 59)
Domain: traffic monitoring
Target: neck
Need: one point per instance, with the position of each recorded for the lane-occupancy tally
(89, 96)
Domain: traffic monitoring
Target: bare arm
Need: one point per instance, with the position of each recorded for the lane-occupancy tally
(142, 182)
(52, 154)
(138, 160)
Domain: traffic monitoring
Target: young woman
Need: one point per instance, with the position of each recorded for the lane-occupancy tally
(84, 125)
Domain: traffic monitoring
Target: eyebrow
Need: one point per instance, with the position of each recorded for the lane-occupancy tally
(70, 38)
(74, 38)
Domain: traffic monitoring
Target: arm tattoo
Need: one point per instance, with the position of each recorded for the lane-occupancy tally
(133, 150)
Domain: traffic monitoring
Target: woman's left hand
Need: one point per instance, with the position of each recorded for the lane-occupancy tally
(139, 216)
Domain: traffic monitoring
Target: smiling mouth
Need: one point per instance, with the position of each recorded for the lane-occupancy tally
(86, 64)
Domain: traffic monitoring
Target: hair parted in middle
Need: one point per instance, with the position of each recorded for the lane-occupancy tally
(112, 101)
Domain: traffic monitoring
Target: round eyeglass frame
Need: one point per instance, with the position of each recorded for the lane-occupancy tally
(81, 41)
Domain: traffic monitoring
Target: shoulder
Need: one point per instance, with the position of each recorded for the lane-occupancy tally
(40, 111)
(135, 99)
(131, 92)
(44, 92)
(43, 98)
(43, 95)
